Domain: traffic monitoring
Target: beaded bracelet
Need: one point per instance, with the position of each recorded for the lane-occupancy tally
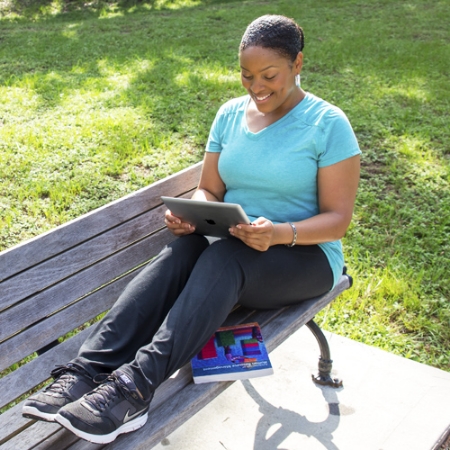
(294, 240)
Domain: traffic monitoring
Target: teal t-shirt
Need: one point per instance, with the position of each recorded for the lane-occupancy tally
(273, 173)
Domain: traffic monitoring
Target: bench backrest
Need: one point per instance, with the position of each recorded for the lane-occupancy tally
(55, 283)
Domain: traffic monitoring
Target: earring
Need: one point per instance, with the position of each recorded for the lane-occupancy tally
(297, 80)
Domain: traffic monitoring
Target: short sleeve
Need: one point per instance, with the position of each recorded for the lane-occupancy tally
(338, 139)
(214, 143)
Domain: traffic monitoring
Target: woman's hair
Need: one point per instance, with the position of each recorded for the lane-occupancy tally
(278, 33)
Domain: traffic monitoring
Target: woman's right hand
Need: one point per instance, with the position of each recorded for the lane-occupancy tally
(210, 188)
(176, 226)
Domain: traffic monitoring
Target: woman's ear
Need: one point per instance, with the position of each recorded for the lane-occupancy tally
(298, 63)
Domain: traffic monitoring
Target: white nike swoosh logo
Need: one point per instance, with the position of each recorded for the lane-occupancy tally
(127, 417)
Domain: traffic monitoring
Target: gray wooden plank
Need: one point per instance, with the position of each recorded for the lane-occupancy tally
(59, 296)
(31, 436)
(38, 370)
(12, 423)
(238, 315)
(84, 445)
(59, 440)
(42, 333)
(172, 386)
(66, 236)
(43, 275)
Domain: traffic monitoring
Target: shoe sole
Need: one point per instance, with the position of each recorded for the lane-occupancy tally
(33, 413)
(132, 425)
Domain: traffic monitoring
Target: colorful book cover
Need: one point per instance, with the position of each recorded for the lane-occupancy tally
(233, 353)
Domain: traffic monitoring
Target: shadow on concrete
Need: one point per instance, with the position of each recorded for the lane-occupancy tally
(289, 422)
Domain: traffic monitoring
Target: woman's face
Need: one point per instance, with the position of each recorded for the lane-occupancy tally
(270, 79)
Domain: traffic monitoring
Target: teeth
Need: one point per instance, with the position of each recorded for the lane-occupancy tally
(262, 98)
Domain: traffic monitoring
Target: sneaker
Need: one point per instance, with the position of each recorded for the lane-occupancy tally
(71, 383)
(113, 408)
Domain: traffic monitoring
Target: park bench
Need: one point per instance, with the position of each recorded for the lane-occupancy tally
(57, 282)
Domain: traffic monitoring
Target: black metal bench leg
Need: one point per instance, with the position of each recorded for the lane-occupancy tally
(325, 361)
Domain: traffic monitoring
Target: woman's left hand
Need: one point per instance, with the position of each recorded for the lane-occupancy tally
(259, 235)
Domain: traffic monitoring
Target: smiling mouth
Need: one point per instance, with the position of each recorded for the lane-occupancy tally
(261, 99)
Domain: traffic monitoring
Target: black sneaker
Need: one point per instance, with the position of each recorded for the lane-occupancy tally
(113, 408)
(71, 383)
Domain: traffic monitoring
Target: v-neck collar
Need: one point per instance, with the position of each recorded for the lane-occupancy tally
(260, 133)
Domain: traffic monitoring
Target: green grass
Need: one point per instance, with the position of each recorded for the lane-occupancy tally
(100, 99)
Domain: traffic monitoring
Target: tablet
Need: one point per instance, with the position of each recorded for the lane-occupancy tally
(209, 218)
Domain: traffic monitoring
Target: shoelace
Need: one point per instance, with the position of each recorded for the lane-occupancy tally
(107, 391)
(102, 395)
(61, 383)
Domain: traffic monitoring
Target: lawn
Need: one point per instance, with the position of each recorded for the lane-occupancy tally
(99, 99)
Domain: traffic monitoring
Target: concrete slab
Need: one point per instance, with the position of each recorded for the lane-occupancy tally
(387, 403)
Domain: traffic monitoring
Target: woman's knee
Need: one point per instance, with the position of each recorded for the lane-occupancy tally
(225, 248)
(224, 259)
(190, 246)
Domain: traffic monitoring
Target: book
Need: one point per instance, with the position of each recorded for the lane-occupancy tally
(237, 352)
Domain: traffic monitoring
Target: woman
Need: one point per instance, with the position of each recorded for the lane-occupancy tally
(292, 161)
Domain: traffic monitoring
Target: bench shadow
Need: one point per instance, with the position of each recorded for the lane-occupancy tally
(292, 422)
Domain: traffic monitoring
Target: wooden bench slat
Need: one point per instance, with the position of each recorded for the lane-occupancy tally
(38, 370)
(13, 423)
(83, 445)
(45, 332)
(66, 236)
(35, 434)
(78, 258)
(59, 296)
(50, 272)
(59, 441)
